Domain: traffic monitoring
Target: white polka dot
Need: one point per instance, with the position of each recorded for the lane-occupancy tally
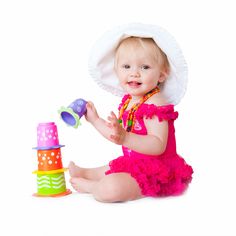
(43, 134)
(55, 162)
(50, 162)
(43, 158)
(51, 131)
(57, 157)
(52, 154)
(41, 163)
(39, 155)
(50, 136)
(54, 138)
(45, 154)
(47, 131)
(48, 158)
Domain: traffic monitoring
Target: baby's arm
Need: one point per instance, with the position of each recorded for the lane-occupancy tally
(100, 124)
(154, 143)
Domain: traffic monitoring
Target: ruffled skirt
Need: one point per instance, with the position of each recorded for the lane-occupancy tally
(156, 176)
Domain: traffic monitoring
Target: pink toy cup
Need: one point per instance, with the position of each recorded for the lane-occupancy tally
(47, 136)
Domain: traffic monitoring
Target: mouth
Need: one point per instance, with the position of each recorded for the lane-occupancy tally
(134, 84)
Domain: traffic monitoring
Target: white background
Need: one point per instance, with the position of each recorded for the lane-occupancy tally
(44, 48)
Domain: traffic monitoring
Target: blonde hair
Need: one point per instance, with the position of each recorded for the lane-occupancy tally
(145, 43)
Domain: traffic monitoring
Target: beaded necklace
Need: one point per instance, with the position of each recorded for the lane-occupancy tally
(131, 116)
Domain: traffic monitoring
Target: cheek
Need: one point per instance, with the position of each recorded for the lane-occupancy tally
(153, 77)
(121, 77)
(150, 78)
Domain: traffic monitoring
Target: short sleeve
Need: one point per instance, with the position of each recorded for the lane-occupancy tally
(162, 112)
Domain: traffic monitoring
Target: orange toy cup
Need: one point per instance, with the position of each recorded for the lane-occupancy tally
(49, 159)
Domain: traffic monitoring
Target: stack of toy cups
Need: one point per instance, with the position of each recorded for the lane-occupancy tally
(50, 173)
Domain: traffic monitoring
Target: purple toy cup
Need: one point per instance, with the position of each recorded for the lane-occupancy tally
(71, 115)
(47, 136)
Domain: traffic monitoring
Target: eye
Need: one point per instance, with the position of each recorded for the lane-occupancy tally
(126, 66)
(145, 67)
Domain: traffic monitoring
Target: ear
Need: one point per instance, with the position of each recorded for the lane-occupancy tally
(163, 75)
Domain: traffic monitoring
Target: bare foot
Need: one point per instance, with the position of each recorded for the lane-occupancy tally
(82, 185)
(74, 170)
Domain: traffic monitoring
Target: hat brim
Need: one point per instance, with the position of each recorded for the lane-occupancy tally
(101, 61)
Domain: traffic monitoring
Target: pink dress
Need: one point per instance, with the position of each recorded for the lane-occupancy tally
(161, 175)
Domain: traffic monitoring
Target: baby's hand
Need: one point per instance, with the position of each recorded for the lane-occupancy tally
(118, 132)
(91, 114)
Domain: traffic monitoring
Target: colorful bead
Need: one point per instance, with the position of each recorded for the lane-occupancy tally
(130, 122)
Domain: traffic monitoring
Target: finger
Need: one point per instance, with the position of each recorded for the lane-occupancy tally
(113, 118)
(113, 115)
(109, 118)
(112, 121)
(90, 105)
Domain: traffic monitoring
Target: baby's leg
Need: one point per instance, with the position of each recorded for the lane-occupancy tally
(82, 185)
(117, 187)
(87, 173)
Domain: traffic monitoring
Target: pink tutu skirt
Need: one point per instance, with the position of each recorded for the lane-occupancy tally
(156, 177)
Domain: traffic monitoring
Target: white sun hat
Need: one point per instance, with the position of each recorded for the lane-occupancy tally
(101, 61)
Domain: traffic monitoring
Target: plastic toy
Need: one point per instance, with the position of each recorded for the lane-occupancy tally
(72, 114)
(50, 173)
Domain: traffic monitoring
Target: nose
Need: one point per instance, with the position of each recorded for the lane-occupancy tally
(134, 73)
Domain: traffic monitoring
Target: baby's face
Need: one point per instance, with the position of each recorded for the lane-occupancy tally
(138, 70)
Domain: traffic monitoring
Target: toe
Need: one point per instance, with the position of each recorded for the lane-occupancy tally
(73, 180)
(71, 164)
